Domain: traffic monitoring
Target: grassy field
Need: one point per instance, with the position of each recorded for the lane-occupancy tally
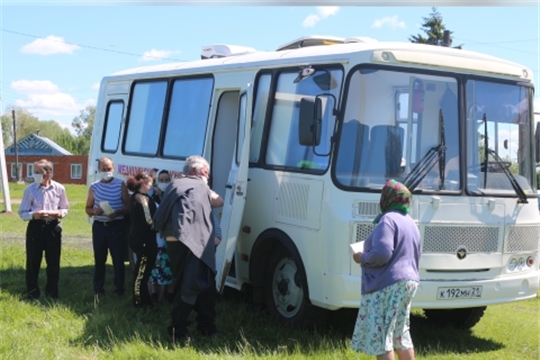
(76, 327)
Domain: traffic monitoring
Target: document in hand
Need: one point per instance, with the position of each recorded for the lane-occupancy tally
(107, 209)
(357, 247)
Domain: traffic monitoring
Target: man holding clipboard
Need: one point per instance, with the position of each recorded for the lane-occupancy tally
(107, 203)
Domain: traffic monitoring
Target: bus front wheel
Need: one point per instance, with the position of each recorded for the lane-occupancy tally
(286, 294)
(463, 319)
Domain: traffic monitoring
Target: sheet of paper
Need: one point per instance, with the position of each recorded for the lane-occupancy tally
(357, 247)
(107, 209)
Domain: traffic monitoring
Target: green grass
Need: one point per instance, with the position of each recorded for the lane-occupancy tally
(75, 225)
(75, 327)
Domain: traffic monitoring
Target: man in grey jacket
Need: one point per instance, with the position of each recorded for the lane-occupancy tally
(184, 219)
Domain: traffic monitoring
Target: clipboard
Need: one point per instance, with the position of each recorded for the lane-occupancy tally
(356, 247)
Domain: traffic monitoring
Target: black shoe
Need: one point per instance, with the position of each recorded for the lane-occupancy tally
(213, 333)
(32, 297)
(180, 338)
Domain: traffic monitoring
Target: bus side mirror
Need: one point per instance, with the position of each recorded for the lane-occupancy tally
(309, 124)
(537, 142)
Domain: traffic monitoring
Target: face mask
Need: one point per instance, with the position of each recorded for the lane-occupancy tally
(150, 191)
(38, 178)
(162, 185)
(107, 175)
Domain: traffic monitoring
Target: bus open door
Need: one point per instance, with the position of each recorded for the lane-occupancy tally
(235, 195)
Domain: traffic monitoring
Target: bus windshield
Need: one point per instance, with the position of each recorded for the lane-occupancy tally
(393, 122)
(499, 137)
(405, 126)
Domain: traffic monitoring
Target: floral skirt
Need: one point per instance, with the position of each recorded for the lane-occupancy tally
(383, 319)
(161, 273)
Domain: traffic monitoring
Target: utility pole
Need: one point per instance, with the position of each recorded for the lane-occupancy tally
(17, 170)
(3, 174)
(446, 40)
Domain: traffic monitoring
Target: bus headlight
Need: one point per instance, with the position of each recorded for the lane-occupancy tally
(512, 264)
(530, 261)
(521, 263)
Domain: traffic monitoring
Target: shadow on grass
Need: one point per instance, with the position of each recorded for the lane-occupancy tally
(248, 329)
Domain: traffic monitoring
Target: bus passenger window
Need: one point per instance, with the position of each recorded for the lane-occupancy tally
(188, 117)
(145, 117)
(111, 130)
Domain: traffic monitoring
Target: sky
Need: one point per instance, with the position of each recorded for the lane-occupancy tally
(53, 55)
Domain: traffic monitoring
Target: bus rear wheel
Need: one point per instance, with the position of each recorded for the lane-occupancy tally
(457, 318)
(286, 294)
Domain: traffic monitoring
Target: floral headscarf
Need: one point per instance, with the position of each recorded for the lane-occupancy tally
(394, 196)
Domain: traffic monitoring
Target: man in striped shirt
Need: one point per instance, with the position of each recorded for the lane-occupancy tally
(44, 203)
(107, 203)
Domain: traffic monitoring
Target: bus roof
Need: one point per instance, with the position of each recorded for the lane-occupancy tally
(391, 53)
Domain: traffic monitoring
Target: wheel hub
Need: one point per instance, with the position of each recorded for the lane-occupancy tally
(283, 287)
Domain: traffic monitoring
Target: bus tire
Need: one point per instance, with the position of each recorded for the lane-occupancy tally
(463, 319)
(286, 292)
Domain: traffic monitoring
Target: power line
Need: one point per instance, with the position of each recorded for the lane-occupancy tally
(89, 47)
(501, 42)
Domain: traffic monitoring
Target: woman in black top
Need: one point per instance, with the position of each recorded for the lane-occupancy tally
(142, 236)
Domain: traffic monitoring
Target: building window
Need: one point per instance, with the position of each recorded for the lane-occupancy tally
(13, 171)
(76, 171)
(29, 170)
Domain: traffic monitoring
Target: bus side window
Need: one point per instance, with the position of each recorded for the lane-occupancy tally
(145, 117)
(259, 115)
(111, 128)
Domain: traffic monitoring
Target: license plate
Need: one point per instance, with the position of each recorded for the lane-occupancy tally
(460, 292)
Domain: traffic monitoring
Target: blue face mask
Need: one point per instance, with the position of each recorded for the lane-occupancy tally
(151, 191)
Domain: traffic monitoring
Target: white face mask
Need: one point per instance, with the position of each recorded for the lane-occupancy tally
(107, 175)
(38, 178)
(162, 185)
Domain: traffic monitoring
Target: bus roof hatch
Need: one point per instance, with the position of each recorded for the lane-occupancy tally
(220, 51)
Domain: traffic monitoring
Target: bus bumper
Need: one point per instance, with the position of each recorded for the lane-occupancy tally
(343, 291)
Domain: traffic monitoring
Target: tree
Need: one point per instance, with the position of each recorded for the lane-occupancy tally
(7, 129)
(434, 28)
(26, 123)
(84, 123)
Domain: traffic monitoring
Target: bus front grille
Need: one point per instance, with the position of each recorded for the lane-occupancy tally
(447, 239)
(522, 239)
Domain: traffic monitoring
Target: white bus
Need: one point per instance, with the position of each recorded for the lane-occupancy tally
(301, 141)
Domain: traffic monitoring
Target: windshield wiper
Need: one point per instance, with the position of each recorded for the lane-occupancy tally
(517, 188)
(424, 166)
(487, 151)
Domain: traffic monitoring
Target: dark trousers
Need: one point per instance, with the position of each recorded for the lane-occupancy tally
(143, 269)
(42, 236)
(205, 303)
(109, 237)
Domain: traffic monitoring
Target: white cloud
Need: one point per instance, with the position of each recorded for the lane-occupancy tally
(48, 46)
(322, 13)
(36, 87)
(391, 21)
(96, 86)
(326, 11)
(45, 100)
(154, 54)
